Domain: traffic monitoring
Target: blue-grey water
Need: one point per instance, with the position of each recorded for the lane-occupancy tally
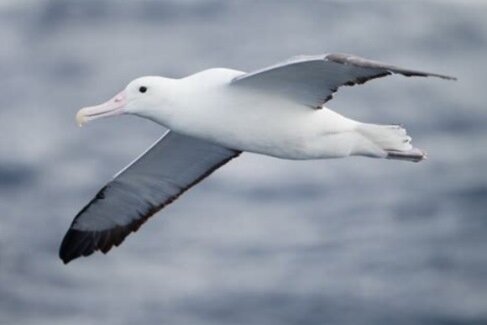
(262, 241)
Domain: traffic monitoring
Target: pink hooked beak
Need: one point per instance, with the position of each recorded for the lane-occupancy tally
(114, 106)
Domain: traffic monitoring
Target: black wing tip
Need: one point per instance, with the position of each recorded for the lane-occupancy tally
(445, 77)
(411, 73)
(345, 58)
(70, 246)
(77, 243)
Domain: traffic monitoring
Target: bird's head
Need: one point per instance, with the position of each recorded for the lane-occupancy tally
(142, 96)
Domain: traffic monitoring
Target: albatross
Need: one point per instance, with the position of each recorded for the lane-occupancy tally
(215, 115)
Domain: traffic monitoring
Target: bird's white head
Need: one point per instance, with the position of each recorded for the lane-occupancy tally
(142, 97)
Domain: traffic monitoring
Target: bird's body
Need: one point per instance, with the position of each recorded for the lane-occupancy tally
(216, 114)
(206, 106)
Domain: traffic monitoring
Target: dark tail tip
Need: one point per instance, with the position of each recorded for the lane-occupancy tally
(414, 155)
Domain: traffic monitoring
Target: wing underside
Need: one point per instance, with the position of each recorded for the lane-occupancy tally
(159, 176)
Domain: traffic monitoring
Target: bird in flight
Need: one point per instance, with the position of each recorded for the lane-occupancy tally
(215, 115)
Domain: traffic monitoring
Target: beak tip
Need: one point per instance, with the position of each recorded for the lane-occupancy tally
(80, 118)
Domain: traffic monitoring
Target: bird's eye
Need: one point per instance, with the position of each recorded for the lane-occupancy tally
(143, 89)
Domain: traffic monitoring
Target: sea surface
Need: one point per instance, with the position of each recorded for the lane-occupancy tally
(263, 240)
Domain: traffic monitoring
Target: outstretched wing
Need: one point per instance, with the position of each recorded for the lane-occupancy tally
(312, 80)
(167, 169)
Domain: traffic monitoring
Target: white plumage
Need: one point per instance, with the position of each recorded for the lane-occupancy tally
(216, 114)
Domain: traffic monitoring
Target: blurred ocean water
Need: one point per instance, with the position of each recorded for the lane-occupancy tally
(262, 241)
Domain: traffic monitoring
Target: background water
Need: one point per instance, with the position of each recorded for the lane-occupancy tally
(263, 241)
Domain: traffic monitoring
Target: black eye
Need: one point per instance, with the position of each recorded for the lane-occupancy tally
(143, 89)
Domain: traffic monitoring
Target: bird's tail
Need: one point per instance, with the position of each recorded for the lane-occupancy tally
(392, 141)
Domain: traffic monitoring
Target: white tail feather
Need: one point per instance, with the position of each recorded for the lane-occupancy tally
(393, 140)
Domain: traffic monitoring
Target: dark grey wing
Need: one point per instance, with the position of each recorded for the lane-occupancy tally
(167, 169)
(312, 80)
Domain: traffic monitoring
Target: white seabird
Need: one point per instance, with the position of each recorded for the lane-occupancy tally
(216, 114)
